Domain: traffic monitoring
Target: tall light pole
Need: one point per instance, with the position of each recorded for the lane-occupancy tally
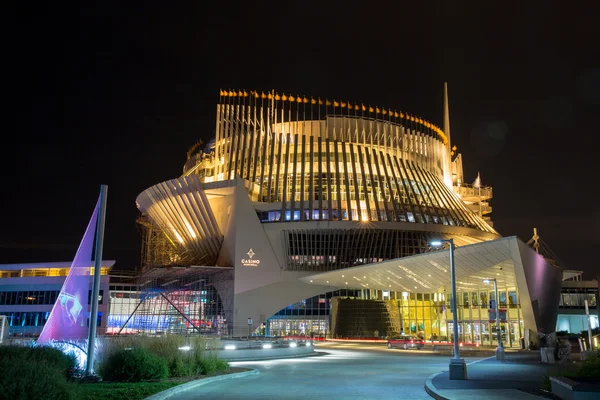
(89, 368)
(458, 367)
(500, 349)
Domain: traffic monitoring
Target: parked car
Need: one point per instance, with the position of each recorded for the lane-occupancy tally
(406, 342)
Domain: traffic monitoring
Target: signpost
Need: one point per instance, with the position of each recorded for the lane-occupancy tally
(249, 327)
(496, 313)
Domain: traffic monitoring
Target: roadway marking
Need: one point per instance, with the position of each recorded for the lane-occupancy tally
(483, 359)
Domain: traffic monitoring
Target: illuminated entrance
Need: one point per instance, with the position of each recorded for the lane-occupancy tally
(418, 288)
(428, 316)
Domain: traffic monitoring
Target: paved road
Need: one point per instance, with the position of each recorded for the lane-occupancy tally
(346, 371)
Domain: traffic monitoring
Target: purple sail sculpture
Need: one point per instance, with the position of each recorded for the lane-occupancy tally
(69, 317)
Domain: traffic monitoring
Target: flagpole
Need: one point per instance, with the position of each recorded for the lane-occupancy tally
(89, 370)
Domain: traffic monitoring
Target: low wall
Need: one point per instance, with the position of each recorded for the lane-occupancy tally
(567, 389)
(248, 354)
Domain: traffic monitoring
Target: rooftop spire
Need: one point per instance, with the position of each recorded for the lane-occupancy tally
(446, 114)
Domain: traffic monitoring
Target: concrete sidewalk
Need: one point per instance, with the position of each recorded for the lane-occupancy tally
(520, 376)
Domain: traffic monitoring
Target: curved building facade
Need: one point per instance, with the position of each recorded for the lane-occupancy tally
(313, 159)
(292, 186)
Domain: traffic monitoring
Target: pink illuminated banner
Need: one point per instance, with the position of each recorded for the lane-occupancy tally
(68, 319)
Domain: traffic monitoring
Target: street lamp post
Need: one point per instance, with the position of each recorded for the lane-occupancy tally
(458, 367)
(500, 349)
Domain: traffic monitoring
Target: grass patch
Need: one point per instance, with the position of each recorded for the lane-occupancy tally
(119, 391)
(134, 390)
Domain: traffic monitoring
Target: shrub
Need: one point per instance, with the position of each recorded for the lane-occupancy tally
(179, 366)
(133, 366)
(66, 364)
(23, 379)
(222, 365)
(212, 364)
(209, 365)
(589, 369)
(196, 361)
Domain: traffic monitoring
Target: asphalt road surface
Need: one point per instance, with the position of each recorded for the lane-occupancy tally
(343, 371)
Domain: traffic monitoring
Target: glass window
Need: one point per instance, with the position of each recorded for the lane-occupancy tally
(474, 299)
(512, 299)
(483, 299)
(591, 298)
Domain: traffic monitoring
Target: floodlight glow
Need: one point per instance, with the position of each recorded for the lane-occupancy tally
(73, 348)
(486, 281)
(267, 346)
(293, 344)
(185, 348)
(230, 347)
(436, 243)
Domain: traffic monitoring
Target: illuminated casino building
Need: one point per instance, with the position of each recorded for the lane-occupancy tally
(300, 204)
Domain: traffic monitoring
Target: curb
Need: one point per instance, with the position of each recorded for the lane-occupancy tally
(430, 389)
(197, 383)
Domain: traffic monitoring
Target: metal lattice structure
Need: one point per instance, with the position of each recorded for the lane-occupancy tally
(157, 248)
(184, 300)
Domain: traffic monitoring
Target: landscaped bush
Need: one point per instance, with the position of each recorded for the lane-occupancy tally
(589, 369)
(198, 359)
(25, 379)
(134, 365)
(65, 364)
(178, 367)
(195, 361)
(212, 364)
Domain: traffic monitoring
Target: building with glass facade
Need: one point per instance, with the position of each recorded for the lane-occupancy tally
(28, 292)
(295, 193)
(572, 315)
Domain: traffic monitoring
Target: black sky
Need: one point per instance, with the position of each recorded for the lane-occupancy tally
(115, 93)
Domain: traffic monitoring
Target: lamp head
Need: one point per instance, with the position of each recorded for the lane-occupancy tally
(436, 243)
(486, 281)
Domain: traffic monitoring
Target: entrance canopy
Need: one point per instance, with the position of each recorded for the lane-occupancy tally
(430, 272)
(509, 260)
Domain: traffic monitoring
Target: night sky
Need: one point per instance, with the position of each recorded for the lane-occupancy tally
(115, 94)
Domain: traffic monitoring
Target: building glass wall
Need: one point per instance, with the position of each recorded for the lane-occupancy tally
(426, 315)
(36, 297)
(575, 297)
(310, 316)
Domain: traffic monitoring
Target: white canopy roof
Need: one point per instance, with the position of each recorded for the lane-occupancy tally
(430, 272)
